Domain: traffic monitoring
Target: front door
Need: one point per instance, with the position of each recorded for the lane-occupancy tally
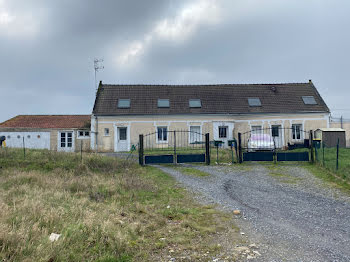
(276, 131)
(66, 141)
(122, 139)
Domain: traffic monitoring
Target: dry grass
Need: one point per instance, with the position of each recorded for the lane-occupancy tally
(105, 209)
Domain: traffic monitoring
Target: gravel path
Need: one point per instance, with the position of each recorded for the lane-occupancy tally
(289, 213)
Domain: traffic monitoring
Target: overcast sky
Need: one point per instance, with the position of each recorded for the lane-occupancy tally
(47, 48)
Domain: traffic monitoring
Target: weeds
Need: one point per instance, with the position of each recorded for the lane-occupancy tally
(105, 210)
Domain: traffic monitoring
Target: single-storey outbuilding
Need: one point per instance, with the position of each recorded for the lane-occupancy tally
(331, 136)
(66, 133)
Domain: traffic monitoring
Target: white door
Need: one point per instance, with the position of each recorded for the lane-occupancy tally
(276, 131)
(122, 140)
(66, 141)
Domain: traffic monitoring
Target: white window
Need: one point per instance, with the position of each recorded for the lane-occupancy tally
(106, 131)
(296, 132)
(66, 139)
(122, 133)
(162, 133)
(83, 134)
(256, 130)
(223, 131)
(195, 135)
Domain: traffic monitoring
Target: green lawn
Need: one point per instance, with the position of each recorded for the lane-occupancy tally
(327, 158)
(105, 209)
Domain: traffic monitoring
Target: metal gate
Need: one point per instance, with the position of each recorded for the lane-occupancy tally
(178, 146)
(276, 144)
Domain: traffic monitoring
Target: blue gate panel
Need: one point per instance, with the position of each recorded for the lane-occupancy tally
(191, 158)
(258, 156)
(163, 159)
(295, 156)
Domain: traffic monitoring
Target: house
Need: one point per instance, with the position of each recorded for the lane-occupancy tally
(122, 112)
(54, 132)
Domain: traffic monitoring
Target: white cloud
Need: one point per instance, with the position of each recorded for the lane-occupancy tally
(16, 24)
(177, 29)
(6, 18)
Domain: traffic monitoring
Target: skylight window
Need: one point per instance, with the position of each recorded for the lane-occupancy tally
(123, 103)
(309, 100)
(163, 103)
(195, 103)
(254, 101)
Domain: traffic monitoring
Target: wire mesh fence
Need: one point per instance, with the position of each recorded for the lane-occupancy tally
(335, 159)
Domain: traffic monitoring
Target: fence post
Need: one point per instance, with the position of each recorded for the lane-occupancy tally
(81, 151)
(322, 153)
(240, 148)
(24, 149)
(207, 149)
(337, 155)
(311, 147)
(141, 150)
(274, 151)
(175, 160)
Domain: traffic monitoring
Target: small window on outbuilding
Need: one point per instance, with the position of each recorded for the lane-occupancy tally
(163, 103)
(195, 103)
(123, 103)
(83, 134)
(254, 101)
(309, 100)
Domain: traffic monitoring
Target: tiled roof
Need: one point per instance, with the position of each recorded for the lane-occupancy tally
(48, 121)
(215, 99)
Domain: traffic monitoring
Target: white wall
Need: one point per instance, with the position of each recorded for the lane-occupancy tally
(34, 140)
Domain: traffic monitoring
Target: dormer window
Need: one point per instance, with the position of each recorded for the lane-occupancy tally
(195, 103)
(254, 101)
(309, 100)
(123, 103)
(163, 103)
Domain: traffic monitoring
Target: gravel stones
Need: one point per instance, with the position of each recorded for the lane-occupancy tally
(289, 213)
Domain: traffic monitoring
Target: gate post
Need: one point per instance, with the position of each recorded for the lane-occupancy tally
(312, 147)
(175, 158)
(240, 148)
(207, 149)
(141, 162)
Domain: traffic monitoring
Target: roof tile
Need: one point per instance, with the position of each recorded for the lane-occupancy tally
(216, 99)
(47, 121)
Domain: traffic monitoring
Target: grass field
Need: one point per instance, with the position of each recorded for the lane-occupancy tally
(327, 158)
(105, 210)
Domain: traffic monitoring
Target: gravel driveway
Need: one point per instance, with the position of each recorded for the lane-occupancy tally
(290, 214)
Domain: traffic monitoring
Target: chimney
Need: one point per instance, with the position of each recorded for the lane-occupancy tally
(310, 81)
(100, 83)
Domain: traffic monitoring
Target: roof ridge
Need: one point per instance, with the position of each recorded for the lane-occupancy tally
(204, 85)
(53, 115)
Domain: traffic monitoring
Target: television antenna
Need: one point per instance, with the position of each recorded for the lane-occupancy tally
(97, 66)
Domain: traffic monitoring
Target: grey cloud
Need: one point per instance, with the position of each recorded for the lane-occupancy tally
(53, 72)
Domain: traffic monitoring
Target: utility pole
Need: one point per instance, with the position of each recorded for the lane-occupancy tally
(97, 67)
(341, 121)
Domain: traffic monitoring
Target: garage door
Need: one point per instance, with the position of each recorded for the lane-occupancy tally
(34, 140)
